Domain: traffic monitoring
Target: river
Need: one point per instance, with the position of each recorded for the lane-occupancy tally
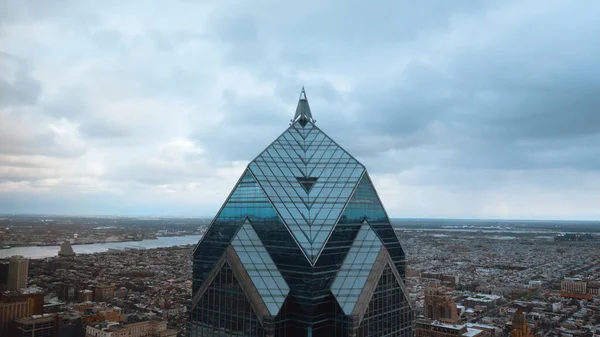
(40, 252)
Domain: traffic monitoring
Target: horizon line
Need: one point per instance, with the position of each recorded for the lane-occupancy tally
(5, 214)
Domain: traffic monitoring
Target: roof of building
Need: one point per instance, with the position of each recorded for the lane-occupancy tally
(472, 332)
(35, 319)
(308, 178)
(479, 325)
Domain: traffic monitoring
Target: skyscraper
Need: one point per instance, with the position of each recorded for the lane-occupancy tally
(301, 247)
(18, 269)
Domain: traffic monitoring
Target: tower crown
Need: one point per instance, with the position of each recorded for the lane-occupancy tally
(302, 239)
(303, 114)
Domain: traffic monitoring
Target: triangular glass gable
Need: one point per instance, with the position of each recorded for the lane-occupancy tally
(356, 268)
(310, 210)
(259, 265)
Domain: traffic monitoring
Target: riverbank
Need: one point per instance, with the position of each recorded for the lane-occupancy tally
(41, 252)
(77, 243)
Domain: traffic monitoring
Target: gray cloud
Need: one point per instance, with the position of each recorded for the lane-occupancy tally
(67, 103)
(24, 141)
(17, 86)
(485, 104)
(101, 129)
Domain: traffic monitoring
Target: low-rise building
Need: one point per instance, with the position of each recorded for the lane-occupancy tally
(148, 328)
(103, 293)
(576, 287)
(92, 313)
(427, 328)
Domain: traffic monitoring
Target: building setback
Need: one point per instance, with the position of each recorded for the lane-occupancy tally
(301, 247)
(36, 326)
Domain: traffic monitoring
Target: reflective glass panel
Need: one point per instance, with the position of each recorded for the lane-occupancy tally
(262, 270)
(359, 261)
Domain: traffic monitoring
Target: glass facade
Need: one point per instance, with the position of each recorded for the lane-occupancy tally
(225, 309)
(306, 226)
(388, 310)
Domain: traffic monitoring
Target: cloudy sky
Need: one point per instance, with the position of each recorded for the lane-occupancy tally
(471, 109)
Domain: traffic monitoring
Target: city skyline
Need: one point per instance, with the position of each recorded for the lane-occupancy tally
(481, 221)
(461, 110)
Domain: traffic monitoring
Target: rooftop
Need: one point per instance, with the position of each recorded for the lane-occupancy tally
(471, 332)
(35, 319)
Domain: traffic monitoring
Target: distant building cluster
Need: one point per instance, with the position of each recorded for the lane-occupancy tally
(469, 279)
(457, 286)
(574, 237)
(24, 231)
(115, 294)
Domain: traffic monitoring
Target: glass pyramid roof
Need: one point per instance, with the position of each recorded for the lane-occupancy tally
(308, 178)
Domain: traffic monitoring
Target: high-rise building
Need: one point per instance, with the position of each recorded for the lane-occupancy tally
(439, 304)
(301, 247)
(66, 250)
(18, 269)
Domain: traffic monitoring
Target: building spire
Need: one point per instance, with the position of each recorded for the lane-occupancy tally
(303, 114)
